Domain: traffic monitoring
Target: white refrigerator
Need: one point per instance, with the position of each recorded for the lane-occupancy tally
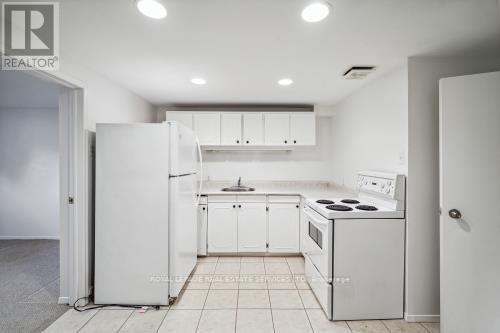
(146, 210)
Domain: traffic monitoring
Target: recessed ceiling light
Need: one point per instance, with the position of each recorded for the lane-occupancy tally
(198, 80)
(285, 82)
(152, 8)
(316, 12)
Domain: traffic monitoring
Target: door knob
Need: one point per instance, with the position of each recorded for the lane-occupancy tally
(455, 214)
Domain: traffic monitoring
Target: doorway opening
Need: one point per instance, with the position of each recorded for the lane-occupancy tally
(43, 220)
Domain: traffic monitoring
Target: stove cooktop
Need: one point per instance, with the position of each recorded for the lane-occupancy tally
(349, 208)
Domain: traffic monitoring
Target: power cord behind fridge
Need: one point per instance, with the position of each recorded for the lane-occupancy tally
(82, 309)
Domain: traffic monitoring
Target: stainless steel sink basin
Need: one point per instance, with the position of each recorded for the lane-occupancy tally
(238, 189)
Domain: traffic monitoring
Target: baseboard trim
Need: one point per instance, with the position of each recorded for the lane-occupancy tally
(29, 237)
(63, 300)
(422, 318)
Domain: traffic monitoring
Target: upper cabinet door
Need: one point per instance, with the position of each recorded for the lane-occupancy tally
(277, 128)
(230, 128)
(302, 128)
(207, 127)
(183, 117)
(253, 129)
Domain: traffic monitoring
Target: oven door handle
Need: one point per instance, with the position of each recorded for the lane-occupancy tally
(320, 221)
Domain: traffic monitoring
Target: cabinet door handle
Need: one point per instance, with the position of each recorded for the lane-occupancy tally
(204, 208)
(234, 206)
(294, 141)
(237, 141)
(286, 141)
(239, 206)
(297, 206)
(248, 141)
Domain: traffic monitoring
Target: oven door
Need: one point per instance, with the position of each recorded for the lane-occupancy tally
(319, 245)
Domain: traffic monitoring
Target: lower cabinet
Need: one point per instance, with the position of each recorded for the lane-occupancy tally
(284, 227)
(252, 227)
(239, 226)
(222, 227)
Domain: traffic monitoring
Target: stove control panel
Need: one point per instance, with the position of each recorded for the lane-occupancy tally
(382, 186)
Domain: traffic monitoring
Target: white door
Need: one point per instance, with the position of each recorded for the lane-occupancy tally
(277, 128)
(202, 230)
(302, 128)
(284, 227)
(252, 227)
(222, 227)
(182, 117)
(253, 129)
(230, 128)
(470, 183)
(207, 127)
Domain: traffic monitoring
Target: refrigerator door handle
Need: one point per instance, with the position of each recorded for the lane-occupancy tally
(200, 172)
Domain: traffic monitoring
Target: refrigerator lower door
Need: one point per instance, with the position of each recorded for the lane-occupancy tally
(182, 230)
(131, 226)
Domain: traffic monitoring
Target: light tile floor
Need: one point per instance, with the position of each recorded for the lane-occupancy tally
(235, 294)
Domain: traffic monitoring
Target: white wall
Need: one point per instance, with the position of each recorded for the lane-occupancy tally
(423, 176)
(107, 101)
(302, 163)
(29, 163)
(369, 129)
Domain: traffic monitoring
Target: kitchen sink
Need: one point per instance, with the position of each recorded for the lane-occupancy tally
(238, 189)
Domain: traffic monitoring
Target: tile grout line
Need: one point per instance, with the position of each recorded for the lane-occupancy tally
(203, 308)
(269, 295)
(237, 299)
(425, 327)
(387, 328)
(88, 320)
(163, 319)
(121, 326)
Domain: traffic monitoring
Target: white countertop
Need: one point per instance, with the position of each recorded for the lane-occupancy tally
(306, 189)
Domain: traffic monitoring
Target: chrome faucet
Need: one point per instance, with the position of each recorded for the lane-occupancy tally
(239, 182)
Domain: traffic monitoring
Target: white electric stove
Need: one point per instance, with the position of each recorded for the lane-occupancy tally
(354, 251)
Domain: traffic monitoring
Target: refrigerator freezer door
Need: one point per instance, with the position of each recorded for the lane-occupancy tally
(131, 227)
(183, 150)
(183, 230)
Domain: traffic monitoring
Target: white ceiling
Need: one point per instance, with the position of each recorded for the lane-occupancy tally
(242, 47)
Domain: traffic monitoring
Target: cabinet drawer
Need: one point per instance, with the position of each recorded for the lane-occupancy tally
(222, 198)
(284, 198)
(251, 198)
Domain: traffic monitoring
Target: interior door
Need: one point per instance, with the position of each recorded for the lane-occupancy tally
(470, 183)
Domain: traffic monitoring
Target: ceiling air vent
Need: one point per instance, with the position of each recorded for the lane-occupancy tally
(358, 72)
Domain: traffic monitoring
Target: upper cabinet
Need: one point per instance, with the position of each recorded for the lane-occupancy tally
(230, 128)
(183, 117)
(253, 128)
(207, 127)
(302, 129)
(276, 128)
(237, 130)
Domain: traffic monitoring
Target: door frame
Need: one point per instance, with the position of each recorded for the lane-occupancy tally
(74, 157)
